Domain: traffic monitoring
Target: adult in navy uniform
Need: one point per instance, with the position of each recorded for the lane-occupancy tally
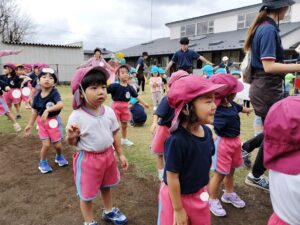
(268, 72)
(184, 57)
(140, 67)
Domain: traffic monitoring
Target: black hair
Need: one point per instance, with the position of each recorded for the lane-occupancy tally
(93, 77)
(184, 41)
(13, 72)
(123, 66)
(191, 118)
(97, 50)
(52, 75)
(145, 54)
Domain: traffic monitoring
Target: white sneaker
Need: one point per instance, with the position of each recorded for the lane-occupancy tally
(126, 142)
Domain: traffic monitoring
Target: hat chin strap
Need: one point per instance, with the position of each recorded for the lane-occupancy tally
(85, 98)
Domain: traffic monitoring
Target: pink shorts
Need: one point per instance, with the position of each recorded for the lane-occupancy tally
(275, 220)
(121, 110)
(10, 99)
(45, 131)
(3, 106)
(162, 133)
(228, 154)
(93, 171)
(197, 210)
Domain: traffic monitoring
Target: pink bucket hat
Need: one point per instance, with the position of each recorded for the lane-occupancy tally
(76, 81)
(233, 85)
(27, 66)
(185, 90)
(176, 76)
(282, 137)
(10, 65)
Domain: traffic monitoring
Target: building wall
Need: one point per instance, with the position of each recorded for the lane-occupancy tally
(227, 21)
(225, 24)
(64, 59)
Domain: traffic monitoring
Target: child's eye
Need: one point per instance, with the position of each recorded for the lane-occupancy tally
(104, 86)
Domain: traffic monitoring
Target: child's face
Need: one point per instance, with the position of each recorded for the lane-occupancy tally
(7, 70)
(46, 81)
(20, 71)
(96, 94)
(205, 108)
(155, 74)
(236, 76)
(123, 74)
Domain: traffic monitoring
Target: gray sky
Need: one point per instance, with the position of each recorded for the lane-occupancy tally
(114, 24)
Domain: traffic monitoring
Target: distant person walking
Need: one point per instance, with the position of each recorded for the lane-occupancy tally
(185, 56)
(140, 67)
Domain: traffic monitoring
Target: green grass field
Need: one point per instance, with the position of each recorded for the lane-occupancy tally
(139, 154)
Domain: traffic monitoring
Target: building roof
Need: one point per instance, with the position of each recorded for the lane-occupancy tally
(212, 42)
(72, 45)
(214, 14)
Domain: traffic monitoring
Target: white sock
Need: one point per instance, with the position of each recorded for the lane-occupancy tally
(160, 174)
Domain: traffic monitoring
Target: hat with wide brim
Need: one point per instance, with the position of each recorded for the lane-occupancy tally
(176, 76)
(185, 90)
(77, 79)
(233, 86)
(275, 4)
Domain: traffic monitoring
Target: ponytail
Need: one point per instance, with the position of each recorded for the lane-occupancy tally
(260, 18)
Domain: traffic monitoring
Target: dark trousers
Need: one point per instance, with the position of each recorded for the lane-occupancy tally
(141, 82)
(258, 141)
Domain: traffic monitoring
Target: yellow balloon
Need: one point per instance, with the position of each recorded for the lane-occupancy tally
(120, 55)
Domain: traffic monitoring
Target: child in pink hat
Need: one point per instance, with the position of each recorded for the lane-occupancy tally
(228, 154)
(183, 198)
(282, 158)
(162, 119)
(121, 93)
(93, 129)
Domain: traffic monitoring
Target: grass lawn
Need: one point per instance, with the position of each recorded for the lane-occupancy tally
(139, 154)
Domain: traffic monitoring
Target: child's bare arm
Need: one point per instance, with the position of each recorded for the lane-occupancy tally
(119, 150)
(247, 110)
(142, 102)
(28, 128)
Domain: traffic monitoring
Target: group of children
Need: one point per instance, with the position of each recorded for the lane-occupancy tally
(183, 137)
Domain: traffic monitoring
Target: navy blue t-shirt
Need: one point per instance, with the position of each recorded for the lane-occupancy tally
(141, 62)
(121, 93)
(13, 81)
(138, 113)
(41, 104)
(165, 113)
(266, 44)
(34, 79)
(184, 60)
(189, 156)
(3, 84)
(227, 120)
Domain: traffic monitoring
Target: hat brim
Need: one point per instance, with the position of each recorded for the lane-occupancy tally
(213, 88)
(277, 5)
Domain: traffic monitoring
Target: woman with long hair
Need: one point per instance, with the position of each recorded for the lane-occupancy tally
(267, 54)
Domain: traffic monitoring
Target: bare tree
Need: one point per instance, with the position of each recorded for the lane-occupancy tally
(14, 25)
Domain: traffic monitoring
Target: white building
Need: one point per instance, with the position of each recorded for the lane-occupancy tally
(216, 35)
(63, 58)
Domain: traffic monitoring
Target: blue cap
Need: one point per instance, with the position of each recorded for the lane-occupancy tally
(236, 72)
(154, 69)
(208, 69)
(161, 71)
(122, 61)
(132, 70)
(133, 101)
(221, 70)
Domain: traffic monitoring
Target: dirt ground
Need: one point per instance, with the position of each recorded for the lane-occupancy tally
(28, 197)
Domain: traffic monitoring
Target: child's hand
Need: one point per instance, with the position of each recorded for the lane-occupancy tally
(180, 217)
(153, 128)
(124, 162)
(73, 131)
(146, 106)
(28, 130)
(248, 111)
(45, 115)
(7, 88)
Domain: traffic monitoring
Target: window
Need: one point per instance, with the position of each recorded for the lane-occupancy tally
(190, 30)
(205, 28)
(182, 31)
(245, 20)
